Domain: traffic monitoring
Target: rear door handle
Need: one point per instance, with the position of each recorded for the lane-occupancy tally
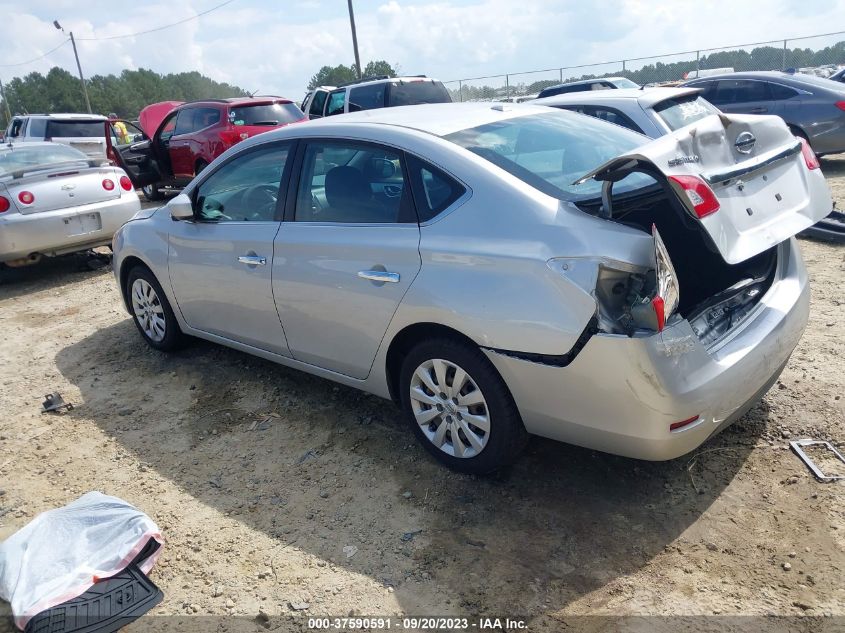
(758, 110)
(252, 260)
(379, 275)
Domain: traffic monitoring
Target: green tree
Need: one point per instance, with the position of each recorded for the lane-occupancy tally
(379, 68)
(340, 74)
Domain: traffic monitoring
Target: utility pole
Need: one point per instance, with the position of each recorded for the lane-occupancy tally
(78, 65)
(6, 103)
(354, 39)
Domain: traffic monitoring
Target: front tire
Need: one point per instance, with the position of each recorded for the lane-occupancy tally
(460, 408)
(151, 311)
(152, 193)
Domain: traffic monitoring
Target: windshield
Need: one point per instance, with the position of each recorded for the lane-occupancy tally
(623, 82)
(418, 91)
(70, 129)
(265, 114)
(38, 157)
(550, 151)
(681, 111)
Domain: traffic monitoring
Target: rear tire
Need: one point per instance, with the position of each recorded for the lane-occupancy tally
(152, 193)
(473, 427)
(151, 311)
(201, 164)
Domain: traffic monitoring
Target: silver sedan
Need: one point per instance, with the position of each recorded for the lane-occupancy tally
(54, 200)
(498, 270)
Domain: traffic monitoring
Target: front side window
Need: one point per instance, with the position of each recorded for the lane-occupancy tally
(552, 150)
(352, 183)
(168, 127)
(681, 111)
(367, 97)
(185, 121)
(336, 101)
(38, 128)
(245, 189)
(15, 128)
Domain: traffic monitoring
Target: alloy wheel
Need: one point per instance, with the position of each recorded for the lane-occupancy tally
(450, 408)
(148, 310)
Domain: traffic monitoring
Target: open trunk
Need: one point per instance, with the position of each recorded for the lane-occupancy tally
(729, 190)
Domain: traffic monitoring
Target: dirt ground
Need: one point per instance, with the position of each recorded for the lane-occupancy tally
(260, 476)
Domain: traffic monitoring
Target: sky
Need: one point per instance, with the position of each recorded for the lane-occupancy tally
(274, 47)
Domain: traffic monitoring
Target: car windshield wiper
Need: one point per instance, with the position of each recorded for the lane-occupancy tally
(265, 123)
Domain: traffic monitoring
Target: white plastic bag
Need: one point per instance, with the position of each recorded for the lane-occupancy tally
(62, 552)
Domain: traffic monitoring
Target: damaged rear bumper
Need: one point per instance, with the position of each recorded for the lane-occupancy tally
(621, 394)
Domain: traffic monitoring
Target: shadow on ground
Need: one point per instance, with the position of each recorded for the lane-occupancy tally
(52, 273)
(562, 522)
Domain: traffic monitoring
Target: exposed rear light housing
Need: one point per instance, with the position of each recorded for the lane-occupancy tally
(125, 183)
(809, 155)
(840, 105)
(700, 195)
(4, 204)
(26, 197)
(108, 184)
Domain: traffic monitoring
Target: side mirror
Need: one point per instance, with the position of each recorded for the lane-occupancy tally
(181, 208)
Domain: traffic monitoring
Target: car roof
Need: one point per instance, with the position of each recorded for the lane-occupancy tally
(581, 82)
(64, 115)
(439, 119)
(799, 80)
(647, 97)
(382, 80)
(236, 101)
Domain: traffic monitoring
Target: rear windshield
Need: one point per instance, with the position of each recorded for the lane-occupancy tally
(550, 151)
(269, 114)
(415, 92)
(34, 157)
(66, 129)
(681, 111)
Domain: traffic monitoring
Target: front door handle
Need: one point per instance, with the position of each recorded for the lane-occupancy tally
(379, 275)
(252, 260)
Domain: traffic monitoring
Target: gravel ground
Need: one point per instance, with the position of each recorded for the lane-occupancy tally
(277, 490)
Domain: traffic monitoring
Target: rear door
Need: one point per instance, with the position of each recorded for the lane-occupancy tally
(137, 157)
(346, 253)
(745, 178)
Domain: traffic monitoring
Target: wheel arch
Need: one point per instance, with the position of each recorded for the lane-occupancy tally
(404, 341)
(126, 267)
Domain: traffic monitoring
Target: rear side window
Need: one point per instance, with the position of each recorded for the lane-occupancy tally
(63, 129)
(318, 103)
(269, 114)
(434, 191)
(612, 115)
(336, 101)
(367, 97)
(677, 113)
(415, 92)
(782, 92)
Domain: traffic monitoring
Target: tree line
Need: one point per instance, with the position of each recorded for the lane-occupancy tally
(124, 94)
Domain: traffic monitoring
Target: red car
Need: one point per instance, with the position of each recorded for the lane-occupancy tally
(179, 142)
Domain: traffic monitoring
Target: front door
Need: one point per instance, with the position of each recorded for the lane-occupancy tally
(221, 263)
(346, 254)
(133, 151)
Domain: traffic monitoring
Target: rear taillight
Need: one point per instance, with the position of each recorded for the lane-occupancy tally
(230, 137)
(26, 197)
(674, 426)
(4, 204)
(703, 200)
(108, 184)
(659, 307)
(840, 105)
(125, 183)
(809, 155)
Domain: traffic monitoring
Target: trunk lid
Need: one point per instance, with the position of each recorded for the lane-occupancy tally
(754, 168)
(62, 188)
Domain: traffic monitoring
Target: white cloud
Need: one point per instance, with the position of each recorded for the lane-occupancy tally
(275, 48)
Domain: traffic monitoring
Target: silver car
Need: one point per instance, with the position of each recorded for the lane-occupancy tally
(54, 200)
(498, 270)
(650, 111)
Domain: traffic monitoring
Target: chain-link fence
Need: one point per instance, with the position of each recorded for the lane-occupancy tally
(816, 54)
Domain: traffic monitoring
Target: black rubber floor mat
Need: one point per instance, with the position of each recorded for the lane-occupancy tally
(106, 607)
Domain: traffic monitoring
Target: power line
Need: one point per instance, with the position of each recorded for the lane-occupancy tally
(158, 28)
(52, 50)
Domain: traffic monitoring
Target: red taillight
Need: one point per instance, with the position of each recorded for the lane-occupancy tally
(4, 204)
(809, 155)
(840, 105)
(125, 183)
(659, 312)
(230, 137)
(108, 184)
(678, 425)
(701, 196)
(26, 197)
